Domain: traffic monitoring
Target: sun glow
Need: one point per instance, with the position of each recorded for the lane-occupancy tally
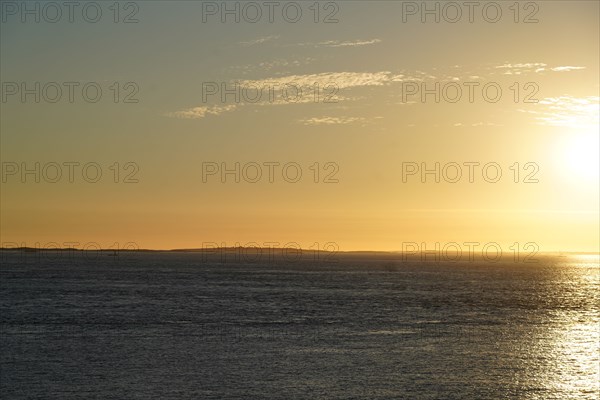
(579, 156)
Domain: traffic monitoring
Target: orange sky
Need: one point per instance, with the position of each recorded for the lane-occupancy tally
(379, 103)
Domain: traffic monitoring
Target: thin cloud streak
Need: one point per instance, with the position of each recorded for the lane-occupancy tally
(260, 40)
(201, 112)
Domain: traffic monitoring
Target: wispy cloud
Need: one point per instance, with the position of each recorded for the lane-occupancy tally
(260, 40)
(339, 43)
(269, 65)
(522, 65)
(201, 112)
(568, 111)
(566, 69)
(326, 88)
(332, 121)
(341, 80)
(526, 68)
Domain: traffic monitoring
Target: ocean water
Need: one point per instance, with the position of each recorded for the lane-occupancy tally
(184, 326)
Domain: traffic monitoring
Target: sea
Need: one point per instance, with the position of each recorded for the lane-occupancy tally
(186, 325)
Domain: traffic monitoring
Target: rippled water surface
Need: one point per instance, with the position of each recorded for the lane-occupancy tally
(171, 326)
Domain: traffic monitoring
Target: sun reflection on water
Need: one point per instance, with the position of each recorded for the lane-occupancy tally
(577, 343)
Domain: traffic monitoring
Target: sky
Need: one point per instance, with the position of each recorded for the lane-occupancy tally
(363, 125)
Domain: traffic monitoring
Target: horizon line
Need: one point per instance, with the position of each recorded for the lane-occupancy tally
(213, 249)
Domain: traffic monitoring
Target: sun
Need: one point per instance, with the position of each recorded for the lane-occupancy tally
(580, 156)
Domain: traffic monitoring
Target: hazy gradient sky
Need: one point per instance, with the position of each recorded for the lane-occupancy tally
(368, 130)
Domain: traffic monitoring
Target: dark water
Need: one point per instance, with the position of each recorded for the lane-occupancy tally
(173, 326)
